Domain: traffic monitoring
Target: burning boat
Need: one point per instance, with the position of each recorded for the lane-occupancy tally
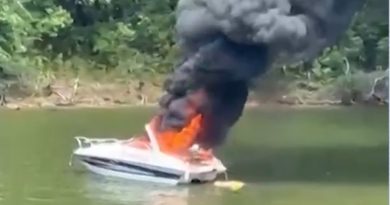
(224, 47)
(161, 157)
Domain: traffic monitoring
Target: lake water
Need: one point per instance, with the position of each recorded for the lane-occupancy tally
(285, 156)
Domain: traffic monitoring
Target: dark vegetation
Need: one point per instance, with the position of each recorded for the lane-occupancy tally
(41, 40)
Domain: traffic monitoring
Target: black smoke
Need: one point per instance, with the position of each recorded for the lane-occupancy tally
(227, 43)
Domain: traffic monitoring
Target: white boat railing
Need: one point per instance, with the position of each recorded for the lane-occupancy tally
(86, 142)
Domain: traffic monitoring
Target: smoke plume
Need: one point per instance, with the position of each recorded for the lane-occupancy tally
(227, 43)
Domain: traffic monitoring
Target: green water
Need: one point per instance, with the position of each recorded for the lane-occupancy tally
(297, 157)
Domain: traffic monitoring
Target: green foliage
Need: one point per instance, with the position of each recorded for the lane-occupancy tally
(364, 47)
(137, 37)
(130, 36)
(22, 28)
(117, 33)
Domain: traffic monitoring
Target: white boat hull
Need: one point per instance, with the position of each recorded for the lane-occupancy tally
(113, 158)
(129, 176)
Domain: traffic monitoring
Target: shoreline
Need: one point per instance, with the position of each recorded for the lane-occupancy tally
(68, 93)
(248, 105)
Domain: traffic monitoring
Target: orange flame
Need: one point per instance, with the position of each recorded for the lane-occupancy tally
(171, 141)
(179, 142)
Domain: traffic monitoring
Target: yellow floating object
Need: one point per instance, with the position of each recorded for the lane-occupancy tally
(232, 185)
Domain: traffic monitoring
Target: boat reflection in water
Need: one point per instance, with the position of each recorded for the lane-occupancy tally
(101, 190)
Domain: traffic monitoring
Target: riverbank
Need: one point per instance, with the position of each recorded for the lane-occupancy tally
(111, 91)
(249, 105)
(120, 92)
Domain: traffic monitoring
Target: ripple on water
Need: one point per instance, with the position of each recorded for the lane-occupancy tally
(39, 195)
(115, 191)
(39, 199)
(2, 191)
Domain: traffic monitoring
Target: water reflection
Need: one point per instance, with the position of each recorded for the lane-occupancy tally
(316, 157)
(116, 191)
